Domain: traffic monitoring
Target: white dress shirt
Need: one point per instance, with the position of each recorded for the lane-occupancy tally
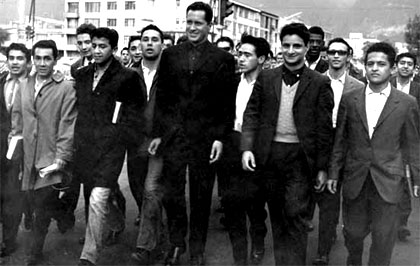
(313, 65)
(337, 86)
(242, 97)
(148, 74)
(404, 88)
(375, 102)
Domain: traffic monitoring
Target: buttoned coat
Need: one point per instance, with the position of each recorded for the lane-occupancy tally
(46, 123)
(414, 88)
(197, 102)
(395, 134)
(100, 143)
(5, 122)
(312, 111)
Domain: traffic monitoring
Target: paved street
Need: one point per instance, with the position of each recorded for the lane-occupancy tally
(65, 250)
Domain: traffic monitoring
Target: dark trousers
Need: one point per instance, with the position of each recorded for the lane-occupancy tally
(329, 214)
(244, 196)
(137, 162)
(177, 157)
(405, 206)
(369, 213)
(287, 178)
(47, 206)
(11, 201)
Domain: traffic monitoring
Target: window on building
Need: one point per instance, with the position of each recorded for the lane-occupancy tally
(177, 21)
(112, 5)
(241, 12)
(73, 7)
(178, 3)
(71, 39)
(72, 23)
(111, 22)
(130, 5)
(151, 3)
(126, 39)
(129, 22)
(91, 7)
(94, 21)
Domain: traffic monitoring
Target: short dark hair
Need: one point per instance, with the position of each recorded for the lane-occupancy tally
(382, 47)
(201, 6)
(107, 33)
(20, 47)
(262, 47)
(295, 28)
(152, 27)
(85, 28)
(124, 49)
(226, 39)
(340, 40)
(167, 36)
(409, 55)
(46, 44)
(317, 30)
(132, 39)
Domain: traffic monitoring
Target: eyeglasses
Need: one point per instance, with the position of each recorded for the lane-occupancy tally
(333, 52)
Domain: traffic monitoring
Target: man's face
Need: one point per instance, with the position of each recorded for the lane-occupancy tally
(315, 44)
(135, 51)
(294, 50)
(125, 56)
(405, 67)
(378, 68)
(167, 43)
(17, 63)
(197, 26)
(102, 51)
(225, 46)
(44, 62)
(84, 44)
(279, 58)
(151, 44)
(247, 58)
(338, 56)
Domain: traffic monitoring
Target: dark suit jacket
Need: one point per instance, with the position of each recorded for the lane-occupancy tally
(100, 144)
(76, 66)
(150, 105)
(322, 66)
(414, 88)
(382, 156)
(196, 103)
(312, 111)
(5, 123)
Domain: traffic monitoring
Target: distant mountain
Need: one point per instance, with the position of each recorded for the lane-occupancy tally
(371, 17)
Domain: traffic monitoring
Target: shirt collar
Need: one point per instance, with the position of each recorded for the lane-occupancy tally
(21, 78)
(386, 91)
(313, 63)
(243, 79)
(342, 78)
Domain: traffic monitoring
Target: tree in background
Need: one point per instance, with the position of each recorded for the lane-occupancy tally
(412, 33)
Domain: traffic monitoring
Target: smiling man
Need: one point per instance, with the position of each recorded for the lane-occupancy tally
(286, 138)
(194, 111)
(110, 101)
(45, 115)
(18, 62)
(84, 45)
(339, 55)
(376, 137)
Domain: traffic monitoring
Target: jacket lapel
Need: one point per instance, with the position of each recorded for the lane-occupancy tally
(303, 85)
(361, 108)
(278, 83)
(348, 84)
(109, 74)
(390, 106)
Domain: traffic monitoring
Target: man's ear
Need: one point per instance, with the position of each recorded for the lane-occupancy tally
(261, 59)
(114, 50)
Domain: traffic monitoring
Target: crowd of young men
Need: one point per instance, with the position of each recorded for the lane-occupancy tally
(290, 137)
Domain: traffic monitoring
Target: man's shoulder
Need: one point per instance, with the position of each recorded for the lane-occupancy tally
(356, 84)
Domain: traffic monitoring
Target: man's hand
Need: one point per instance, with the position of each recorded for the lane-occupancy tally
(321, 181)
(248, 161)
(60, 163)
(154, 145)
(332, 185)
(416, 191)
(216, 151)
